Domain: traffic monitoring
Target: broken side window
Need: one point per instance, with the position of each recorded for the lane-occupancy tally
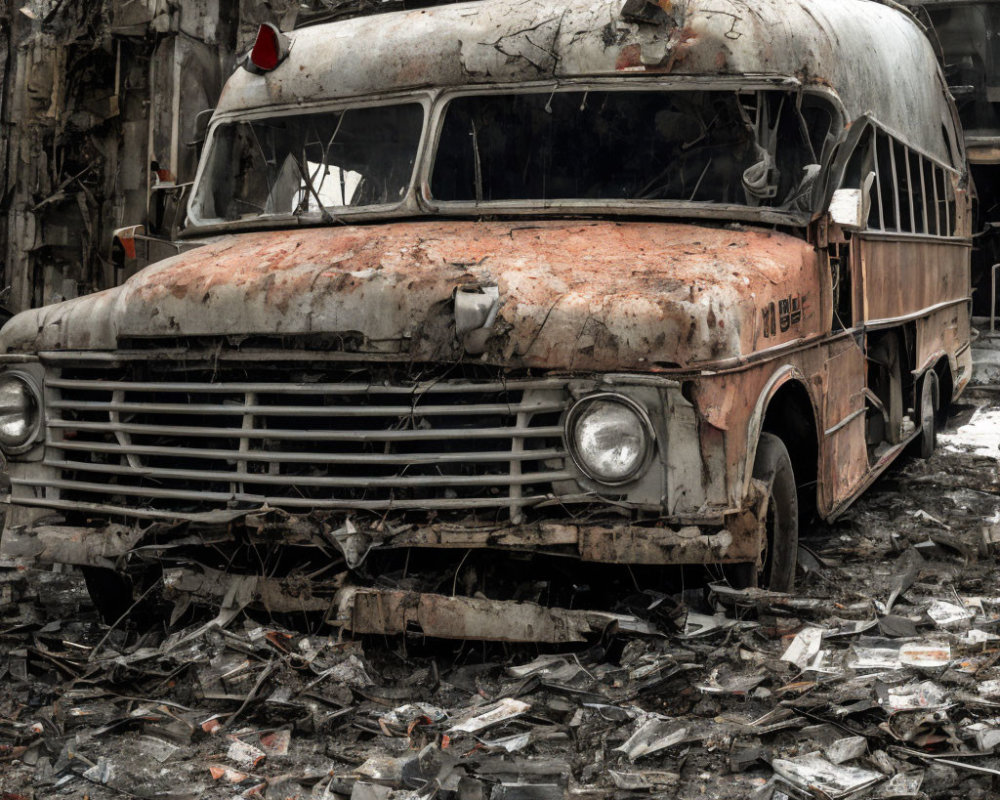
(751, 148)
(310, 163)
(909, 193)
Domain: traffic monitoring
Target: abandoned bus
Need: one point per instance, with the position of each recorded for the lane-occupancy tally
(582, 282)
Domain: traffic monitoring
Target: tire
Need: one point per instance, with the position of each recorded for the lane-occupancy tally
(943, 382)
(773, 467)
(923, 446)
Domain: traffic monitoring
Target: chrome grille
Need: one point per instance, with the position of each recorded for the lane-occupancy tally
(143, 438)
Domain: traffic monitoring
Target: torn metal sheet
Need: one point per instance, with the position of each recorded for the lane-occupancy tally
(813, 772)
(287, 595)
(54, 544)
(656, 733)
(390, 612)
(352, 543)
(502, 711)
(618, 544)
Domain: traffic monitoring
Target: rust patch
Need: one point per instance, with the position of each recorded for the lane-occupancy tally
(573, 295)
(629, 58)
(367, 611)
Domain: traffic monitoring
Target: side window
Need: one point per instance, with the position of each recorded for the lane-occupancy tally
(949, 204)
(928, 171)
(911, 194)
(885, 185)
(914, 176)
(941, 201)
(904, 188)
(944, 201)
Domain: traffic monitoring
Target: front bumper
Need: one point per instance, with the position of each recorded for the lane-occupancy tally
(359, 609)
(737, 539)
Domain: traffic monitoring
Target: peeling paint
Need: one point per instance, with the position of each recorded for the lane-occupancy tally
(583, 296)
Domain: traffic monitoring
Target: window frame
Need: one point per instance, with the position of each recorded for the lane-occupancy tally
(198, 224)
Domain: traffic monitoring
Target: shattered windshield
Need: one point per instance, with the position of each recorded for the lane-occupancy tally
(760, 148)
(644, 148)
(309, 164)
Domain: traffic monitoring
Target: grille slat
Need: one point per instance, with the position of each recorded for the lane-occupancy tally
(188, 439)
(300, 480)
(347, 388)
(221, 499)
(471, 457)
(306, 411)
(311, 435)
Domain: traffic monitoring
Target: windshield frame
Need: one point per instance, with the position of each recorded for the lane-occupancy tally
(645, 207)
(418, 202)
(407, 204)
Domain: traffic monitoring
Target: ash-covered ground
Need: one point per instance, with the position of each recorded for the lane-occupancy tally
(879, 677)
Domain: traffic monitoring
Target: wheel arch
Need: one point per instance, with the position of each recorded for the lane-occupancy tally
(787, 409)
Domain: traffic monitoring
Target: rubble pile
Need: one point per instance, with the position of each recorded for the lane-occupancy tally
(879, 678)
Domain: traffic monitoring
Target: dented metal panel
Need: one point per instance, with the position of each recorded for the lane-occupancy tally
(572, 295)
(904, 276)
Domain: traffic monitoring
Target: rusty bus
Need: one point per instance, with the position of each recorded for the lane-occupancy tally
(626, 283)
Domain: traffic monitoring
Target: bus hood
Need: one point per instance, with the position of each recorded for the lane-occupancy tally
(575, 295)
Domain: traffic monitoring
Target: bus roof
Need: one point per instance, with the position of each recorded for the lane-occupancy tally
(875, 58)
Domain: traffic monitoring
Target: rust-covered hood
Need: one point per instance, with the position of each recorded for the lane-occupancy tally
(572, 295)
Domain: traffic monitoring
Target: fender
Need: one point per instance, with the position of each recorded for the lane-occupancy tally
(932, 361)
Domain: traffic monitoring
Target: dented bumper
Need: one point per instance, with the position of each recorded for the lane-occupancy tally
(736, 540)
(357, 609)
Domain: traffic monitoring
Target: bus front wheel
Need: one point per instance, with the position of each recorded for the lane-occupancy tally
(772, 466)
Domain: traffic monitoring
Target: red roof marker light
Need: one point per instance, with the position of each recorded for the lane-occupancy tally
(270, 49)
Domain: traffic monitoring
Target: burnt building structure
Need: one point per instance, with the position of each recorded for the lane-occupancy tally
(101, 107)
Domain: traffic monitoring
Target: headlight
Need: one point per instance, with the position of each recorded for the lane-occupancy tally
(18, 412)
(609, 437)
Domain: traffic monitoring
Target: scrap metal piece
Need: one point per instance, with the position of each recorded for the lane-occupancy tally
(502, 711)
(813, 772)
(362, 610)
(352, 543)
(738, 542)
(654, 734)
(278, 595)
(62, 544)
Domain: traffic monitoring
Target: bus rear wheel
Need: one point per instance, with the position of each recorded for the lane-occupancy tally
(923, 446)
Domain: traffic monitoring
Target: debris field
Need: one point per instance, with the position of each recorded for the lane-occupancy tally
(879, 677)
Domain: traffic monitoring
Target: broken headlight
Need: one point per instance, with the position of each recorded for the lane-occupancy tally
(610, 438)
(19, 411)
